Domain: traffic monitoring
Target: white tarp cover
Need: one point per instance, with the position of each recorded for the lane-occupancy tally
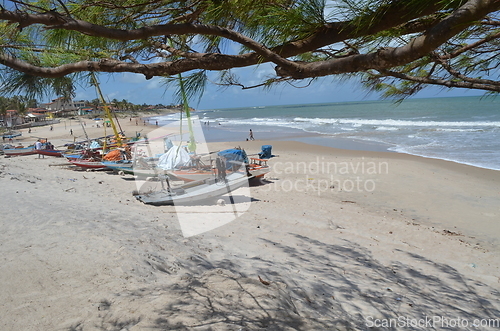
(94, 144)
(175, 157)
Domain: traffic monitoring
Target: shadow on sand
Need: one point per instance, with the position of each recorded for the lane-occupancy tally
(317, 286)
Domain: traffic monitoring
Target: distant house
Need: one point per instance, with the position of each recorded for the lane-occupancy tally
(12, 118)
(37, 114)
(63, 107)
(85, 111)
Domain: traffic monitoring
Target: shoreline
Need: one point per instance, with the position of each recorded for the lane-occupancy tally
(349, 144)
(231, 133)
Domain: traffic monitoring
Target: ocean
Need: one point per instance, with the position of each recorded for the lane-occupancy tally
(460, 129)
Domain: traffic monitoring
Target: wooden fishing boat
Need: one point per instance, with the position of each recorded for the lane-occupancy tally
(12, 134)
(87, 164)
(18, 151)
(133, 168)
(83, 154)
(50, 152)
(194, 192)
(258, 168)
(72, 156)
(191, 174)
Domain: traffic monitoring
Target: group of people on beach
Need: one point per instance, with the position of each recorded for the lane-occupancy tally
(40, 145)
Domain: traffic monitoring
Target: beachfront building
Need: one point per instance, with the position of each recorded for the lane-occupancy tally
(37, 115)
(62, 107)
(12, 118)
(86, 111)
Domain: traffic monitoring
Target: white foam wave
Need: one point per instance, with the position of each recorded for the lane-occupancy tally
(398, 123)
(386, 128)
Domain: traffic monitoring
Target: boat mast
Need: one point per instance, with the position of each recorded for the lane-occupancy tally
(106, 110)
(185, 103)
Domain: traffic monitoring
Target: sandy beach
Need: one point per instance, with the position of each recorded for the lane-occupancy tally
(332, 240)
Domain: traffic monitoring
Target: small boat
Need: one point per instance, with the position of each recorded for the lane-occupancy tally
(133, 168)
(87, 164)
(193, 192)
(73, 155)
(235, 158)
(17, 151)
(83, 154)
(258, 168)
(191, 174)
(124, 165)
(50, 152)
(12, 134)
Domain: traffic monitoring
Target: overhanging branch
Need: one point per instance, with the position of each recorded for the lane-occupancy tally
(469, 84)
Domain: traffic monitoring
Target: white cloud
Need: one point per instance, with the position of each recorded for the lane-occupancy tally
(264, 71)
(85, 95)
(154, 83)
(128, 77)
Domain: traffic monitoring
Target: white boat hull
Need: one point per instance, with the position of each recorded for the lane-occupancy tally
(19, 151)
(195, 192)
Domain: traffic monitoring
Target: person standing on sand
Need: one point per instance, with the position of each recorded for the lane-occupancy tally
(71, 132)
(39, 146)
(251, 135)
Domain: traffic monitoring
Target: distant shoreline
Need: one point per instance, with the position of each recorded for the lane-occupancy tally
(228, 133)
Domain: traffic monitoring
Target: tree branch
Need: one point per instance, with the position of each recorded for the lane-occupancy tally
(470, 84)
(384, 58)
(391, 57)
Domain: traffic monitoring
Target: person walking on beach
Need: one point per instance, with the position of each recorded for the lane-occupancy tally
(39, 146)
(70, 132)
(251, 135)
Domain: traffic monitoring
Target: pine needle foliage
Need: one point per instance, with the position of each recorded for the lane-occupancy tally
(395, 46)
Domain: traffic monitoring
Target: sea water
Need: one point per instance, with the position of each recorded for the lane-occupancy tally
(461, 129)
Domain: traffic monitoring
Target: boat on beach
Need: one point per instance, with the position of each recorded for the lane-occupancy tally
(234, 158)
(140, 168)
(87, 164)
(195, 192)
(12, 134)
(19, 151)
(258, 168)
(50, 152)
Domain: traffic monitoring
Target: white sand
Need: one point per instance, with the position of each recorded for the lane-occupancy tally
(80, 253)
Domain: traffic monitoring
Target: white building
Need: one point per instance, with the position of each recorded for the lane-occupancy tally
(64, 107)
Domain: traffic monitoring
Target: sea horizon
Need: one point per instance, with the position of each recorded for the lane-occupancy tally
(460, 129)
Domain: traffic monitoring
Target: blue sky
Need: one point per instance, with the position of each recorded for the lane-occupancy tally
(136, 89)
